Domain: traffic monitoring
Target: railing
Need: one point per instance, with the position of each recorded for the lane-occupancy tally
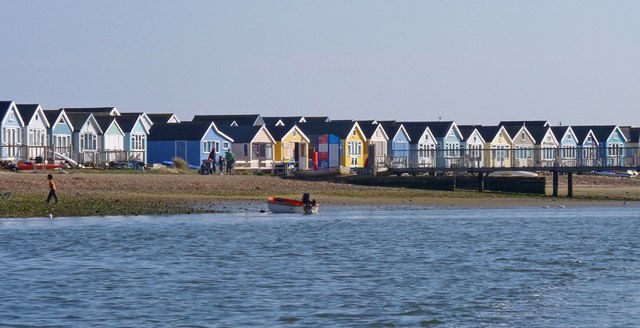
(51, 154)
(543, 158)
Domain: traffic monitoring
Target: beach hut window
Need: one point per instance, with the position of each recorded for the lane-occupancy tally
(11, 117)
(569, 137)
(225, 145)
(138, 141)
(88, 141)
(522, 136)
(245, 150)
(354, 132)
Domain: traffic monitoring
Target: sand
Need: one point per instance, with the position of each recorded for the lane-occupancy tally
(238, 193)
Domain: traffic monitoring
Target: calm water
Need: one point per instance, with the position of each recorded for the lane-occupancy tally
(523, 267)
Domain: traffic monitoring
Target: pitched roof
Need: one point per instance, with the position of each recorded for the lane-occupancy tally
(127, 121)
(489, 132)
(634, 134)
(78, 120)
(104, 121)
(27, 110)
(52, 115)
(560, 131)
(279, 132)
(439, 129)
(602, 132)
(248, 119)
(527, 123)
(317, 119)
(179, 131)
(340, 128)
(538, 133)
(95, 110)
(4, 107)
(242, 133)
(581, 132)
(286, 120)
(160, 118)
(467, 130)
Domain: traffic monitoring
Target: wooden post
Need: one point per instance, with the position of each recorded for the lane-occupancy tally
(481, 182)
(555, 183)
(570, 184)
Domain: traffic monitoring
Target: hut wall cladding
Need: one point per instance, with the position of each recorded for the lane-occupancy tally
(528, 185)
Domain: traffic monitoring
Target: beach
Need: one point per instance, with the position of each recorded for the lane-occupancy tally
(85, 193)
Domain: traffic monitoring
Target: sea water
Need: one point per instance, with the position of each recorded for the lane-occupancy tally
(346, 267)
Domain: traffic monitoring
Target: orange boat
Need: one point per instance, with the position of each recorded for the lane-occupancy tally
(288, 205)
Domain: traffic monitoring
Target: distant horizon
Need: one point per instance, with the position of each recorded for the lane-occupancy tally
(574, 62)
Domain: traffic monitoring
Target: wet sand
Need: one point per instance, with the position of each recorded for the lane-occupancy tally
(242, 193)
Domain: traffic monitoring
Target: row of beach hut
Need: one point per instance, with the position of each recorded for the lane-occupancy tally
(104, 135)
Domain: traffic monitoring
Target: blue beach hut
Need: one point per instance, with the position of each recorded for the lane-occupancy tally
(191, 141)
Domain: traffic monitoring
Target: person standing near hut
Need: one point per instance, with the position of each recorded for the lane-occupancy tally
(221, 163)
(230, 159)
(52, 190)
(212, 161)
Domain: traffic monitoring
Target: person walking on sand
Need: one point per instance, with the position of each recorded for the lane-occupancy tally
(52, 190)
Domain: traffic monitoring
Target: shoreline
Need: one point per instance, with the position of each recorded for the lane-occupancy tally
(108, 193)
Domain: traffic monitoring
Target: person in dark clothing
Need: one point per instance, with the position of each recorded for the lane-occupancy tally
(221, 163)
(212, 161)
(52, 190)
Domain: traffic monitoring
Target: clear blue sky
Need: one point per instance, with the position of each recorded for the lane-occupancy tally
(470, 61)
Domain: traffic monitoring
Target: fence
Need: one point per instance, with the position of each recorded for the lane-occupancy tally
(447, 159)
(57, 154)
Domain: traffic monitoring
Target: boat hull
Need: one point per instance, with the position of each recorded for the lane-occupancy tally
(284, 205)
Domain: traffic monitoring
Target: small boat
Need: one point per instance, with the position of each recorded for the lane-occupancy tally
(30, 166)
(288, 205)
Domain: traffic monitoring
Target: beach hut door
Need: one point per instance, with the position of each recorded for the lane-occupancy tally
(181, 149)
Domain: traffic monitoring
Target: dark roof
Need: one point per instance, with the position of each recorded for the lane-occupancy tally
(94, 110)
(439, 129)
(390, 127)
(317, 119)
(368, 127)
(559, 131)
(489, 132)
(278, 132)
(249, 119)
(339, 128)
(287, 120)
(160, 118)
(128, 120)
(601, 132)
(179, 131)
(467, 130)
(240, 134)
(78, 120)
(527, 123)
(513, 130)
(4, 107)
(104, 121)
(537, 132)
(634, 134)
(581, 132)
(52, 115)
(27, 111)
